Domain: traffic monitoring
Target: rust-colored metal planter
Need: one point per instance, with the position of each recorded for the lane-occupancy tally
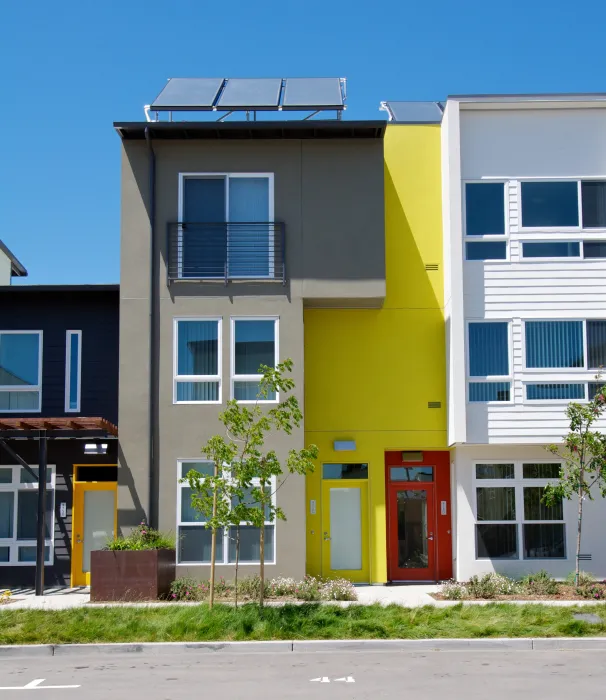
(126, 575)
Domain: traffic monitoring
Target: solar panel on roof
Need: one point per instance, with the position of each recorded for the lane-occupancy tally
(313, 92)
(251, 92)
(187, 93)
(415, 112)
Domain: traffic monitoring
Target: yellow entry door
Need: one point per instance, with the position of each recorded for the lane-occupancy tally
(94, 522)
(345, 530)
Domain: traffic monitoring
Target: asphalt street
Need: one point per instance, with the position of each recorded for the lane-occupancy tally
(432, 675)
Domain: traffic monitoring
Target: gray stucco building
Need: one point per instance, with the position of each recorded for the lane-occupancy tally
(228, 230)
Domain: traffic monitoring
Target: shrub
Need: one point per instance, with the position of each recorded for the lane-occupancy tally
(141, 538)
(540, 583)
(5, 597)
(282, 586)
(490, 585)
(250, 587)
(308, 589)
(585, 578)
(188, 589)
(453, 590)
(338, 589)
(592, 591)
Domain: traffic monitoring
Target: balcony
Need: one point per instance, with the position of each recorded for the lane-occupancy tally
(227, 252)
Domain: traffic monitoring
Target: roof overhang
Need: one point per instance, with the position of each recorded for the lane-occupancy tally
(17, 268)
(57, 428)
(243, 130)
(531, 101)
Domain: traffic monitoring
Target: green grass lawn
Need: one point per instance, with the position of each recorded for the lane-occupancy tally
(192, 624)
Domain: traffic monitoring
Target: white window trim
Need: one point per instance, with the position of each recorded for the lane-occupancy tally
(555, 229)
(68, 365)
(488, 379)
(226, 176)
(232, 353)
(27, 387)
(488, 237)
(198, 378)
(561, 258)
(12, 542)
(200, 523)
(534, 402)
(518, 483)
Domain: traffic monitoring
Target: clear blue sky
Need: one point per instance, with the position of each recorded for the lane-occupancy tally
(71, 68)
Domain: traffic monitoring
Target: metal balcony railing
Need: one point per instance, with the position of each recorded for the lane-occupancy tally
(226, 251)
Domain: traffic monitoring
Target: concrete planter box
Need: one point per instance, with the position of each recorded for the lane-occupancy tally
(125, 575)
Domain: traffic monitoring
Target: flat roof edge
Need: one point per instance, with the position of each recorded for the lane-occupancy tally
(24, 288)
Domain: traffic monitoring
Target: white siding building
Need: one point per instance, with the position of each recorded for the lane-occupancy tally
(524, 183)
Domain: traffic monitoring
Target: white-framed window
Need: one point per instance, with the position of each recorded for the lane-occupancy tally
(563, 249)
(18, 516)
(20, 371)
(197, 360)
(194, 539)
(512, 522)
(485, 220)
(488, 361)
(572, 204)
(226, 225)
(566, 345)
(73, 371)
(254, 342)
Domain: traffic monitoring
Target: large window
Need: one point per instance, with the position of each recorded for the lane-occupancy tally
(197, 360)
(554, 344)
(18, 516)
(20, 371)
(73, 370)
(511, 519)
(488, 352)
(226, 225)
(254, 342)
(485, 219)
(195, 539)
(569, 204)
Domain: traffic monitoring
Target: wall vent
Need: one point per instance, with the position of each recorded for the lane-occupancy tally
(434, 404)
(584, 557)
(432, 267)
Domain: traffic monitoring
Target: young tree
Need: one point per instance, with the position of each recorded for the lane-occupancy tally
(584, 461)
(246, 494)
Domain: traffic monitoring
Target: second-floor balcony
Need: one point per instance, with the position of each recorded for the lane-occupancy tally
(224, 252)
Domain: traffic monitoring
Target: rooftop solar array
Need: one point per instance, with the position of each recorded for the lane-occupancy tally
(251, 94)
(413, 112)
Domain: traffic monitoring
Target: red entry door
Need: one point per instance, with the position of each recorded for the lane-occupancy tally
(411, 532)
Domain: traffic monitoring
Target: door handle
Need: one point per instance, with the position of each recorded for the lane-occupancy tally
(78, 540)
(326, 537)
(430, 536)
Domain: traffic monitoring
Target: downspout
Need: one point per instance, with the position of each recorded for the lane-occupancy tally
(153, 355)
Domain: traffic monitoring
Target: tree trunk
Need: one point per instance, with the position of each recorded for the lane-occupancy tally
(262, 564)
(579, 526)
(213, 548)
(237, 561)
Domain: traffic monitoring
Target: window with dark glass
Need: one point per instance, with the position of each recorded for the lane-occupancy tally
(411, 473)
(594, 249)
(345, 471)
(553, 249)
(486, 250)
(554, 344)
(484, 208)
(541, 470)
(593, 198)
(197, 378)
(550, 204)
(254, 345)
(495, 471)
(596, 344)
(20, 371)
(554, 392)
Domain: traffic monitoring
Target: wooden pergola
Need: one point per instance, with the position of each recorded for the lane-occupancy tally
(42, 430)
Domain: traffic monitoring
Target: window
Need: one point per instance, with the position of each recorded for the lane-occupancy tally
(594, 249)
(596, 344)
(570, 204)
(550, 204)
(554, 344)
(227, 226)
(553, 249)
(254, 343)
(510, 511)
(197, 361)
(486, 250)
(18, 516)
(554, 392)
(195, 539)
(488, 358)
(73, 370)
(345, 471)
(20, 371)
(484, 208)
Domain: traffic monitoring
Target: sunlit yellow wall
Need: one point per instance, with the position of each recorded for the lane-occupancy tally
(369, 374)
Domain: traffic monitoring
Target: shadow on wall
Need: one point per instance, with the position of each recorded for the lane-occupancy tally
(408, 280)
(128, 518)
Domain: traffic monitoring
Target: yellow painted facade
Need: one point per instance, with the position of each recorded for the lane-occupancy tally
(369, 374)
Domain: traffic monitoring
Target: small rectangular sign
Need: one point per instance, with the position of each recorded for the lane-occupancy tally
(63, 510)
(443, 507)
(312, 507)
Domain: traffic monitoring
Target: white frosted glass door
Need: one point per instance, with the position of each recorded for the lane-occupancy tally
(345, 529)
(99, 509)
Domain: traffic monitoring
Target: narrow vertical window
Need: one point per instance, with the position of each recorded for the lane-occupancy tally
(73, 370)
(197, 361)
(254, 343)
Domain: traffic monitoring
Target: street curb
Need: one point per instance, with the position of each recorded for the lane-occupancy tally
(157, 648)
